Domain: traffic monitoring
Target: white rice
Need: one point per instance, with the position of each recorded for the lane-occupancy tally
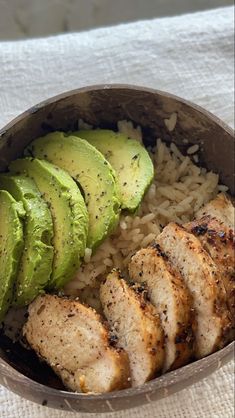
(126, 127)
(193, 149)
(178, 190)
(171, 122)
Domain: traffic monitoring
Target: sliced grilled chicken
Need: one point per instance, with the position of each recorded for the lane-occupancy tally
(71, 338)
(136, 325)
(220, 208)
(203, 280)
(219, 241)
(168, 293)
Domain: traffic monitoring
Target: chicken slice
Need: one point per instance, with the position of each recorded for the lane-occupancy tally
(168, 293)
(202, 278)
(219, 241)
(220, 208)
(71, 338)
(135, 323)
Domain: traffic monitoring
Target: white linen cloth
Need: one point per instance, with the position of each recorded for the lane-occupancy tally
(189, 55)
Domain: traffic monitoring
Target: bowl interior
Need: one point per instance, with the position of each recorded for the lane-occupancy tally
(104, 106)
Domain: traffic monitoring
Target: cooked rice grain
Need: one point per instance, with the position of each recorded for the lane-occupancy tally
(193, 149)
(126, 127)
(171, 122)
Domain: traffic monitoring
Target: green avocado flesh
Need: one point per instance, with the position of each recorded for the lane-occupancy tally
(36, 262)
(129, 159)
(11, 247)
(69, 215)
(94, 174)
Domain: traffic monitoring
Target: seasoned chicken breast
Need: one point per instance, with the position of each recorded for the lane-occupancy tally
(220, 208)
(135, 323)
(203, 280)
(169, 294)
(72, 339)
(219, 241)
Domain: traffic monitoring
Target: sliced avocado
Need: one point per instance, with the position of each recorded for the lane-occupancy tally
(95, 175)
(11, 247)
(69, 215)
(36, 262)
(129, 159)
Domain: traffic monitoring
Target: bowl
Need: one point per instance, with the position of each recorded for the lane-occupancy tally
(103, 106)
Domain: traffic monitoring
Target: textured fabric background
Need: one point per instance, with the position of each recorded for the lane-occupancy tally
(30, 18)
(191, 56)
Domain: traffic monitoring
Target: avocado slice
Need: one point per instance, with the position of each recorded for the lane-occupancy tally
(69, 215)
(36, 262)
(94, 174)
(11, 247)
(129, 159)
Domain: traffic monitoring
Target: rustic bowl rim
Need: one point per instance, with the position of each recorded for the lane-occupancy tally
(165, 381)
(170, 379)
(97, 87)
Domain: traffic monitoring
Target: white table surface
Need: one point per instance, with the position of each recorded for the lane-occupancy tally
(189, 55)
